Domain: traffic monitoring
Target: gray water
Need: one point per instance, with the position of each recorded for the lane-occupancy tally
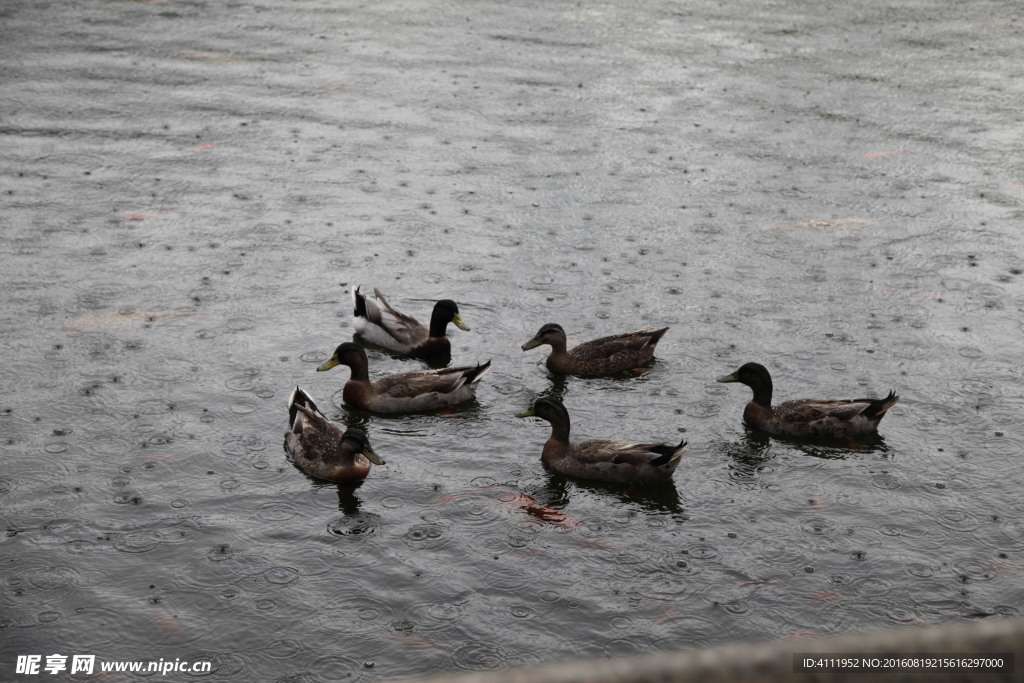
(190, 190)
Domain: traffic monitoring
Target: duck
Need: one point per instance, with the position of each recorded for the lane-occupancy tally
(321, 448)
(821, 417)
(625, 462)
(382, 325)
(404, 391)
(601, 356)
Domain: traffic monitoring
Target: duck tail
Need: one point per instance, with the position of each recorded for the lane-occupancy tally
(880, 406)
(358, 303)
(670, 456)
(299, 398)
(479, 371)
(656, 336)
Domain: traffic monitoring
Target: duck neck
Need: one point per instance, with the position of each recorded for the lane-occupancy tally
(439, 323)
(763, 392)
(359, 367)
(560, 428)
(558, 345)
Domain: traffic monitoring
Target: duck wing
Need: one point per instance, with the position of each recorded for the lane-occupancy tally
(618, 452)
(443, 381)
(840, 409)
(311, 435)
(401, 327)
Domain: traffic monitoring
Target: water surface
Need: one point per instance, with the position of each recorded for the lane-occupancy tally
(191, 190)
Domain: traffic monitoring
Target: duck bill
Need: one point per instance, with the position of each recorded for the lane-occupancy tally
(372, 456)
(526, 413)
(329, 363)
(460, 323)
(734, 377)
(532, 344)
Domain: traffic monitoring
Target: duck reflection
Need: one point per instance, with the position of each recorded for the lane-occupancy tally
(659, 498)
(353, 521)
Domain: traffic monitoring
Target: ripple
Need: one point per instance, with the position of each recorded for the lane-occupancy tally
(931, 416)
(623, 567)
(106, 445)
(818, 526)
(979, 387)
(170, 370)
(871, 586)
(522, 612)
(957, 520)
(281, 576)
(973, 570)
(679, 563)
(702, 409)
(431, 616)
(242, 407)
(220, 553)
(358, 610)
(633, 644)
(473, 509)
(153, 406)
(49, 616)
(242, 444)
(51, 579)
(900, 615)
(920, 570)
(701, 551)
(242, 382)
(135, 544)
(427, 536)
(478, 656)
(204, 295)
(277, 511)
(101, 296)
(792, 560)
(129, 498)
(886, 482)
(735, 606)
(355, 525)
(910, 350)
(932, 598)
(933, 537)
(334, 667)
(285, 649)
(840, 579)
(506, 579)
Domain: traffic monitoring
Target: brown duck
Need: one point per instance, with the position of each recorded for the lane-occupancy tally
(600, 356)
(808, 416)
(321, 448)
(626, 462)
(404, 391)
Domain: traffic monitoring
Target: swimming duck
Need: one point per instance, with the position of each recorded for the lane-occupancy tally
(382, 325)
(808, 416)
(405, 391)
(321, 449)
(605, 460)
(600, 356)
